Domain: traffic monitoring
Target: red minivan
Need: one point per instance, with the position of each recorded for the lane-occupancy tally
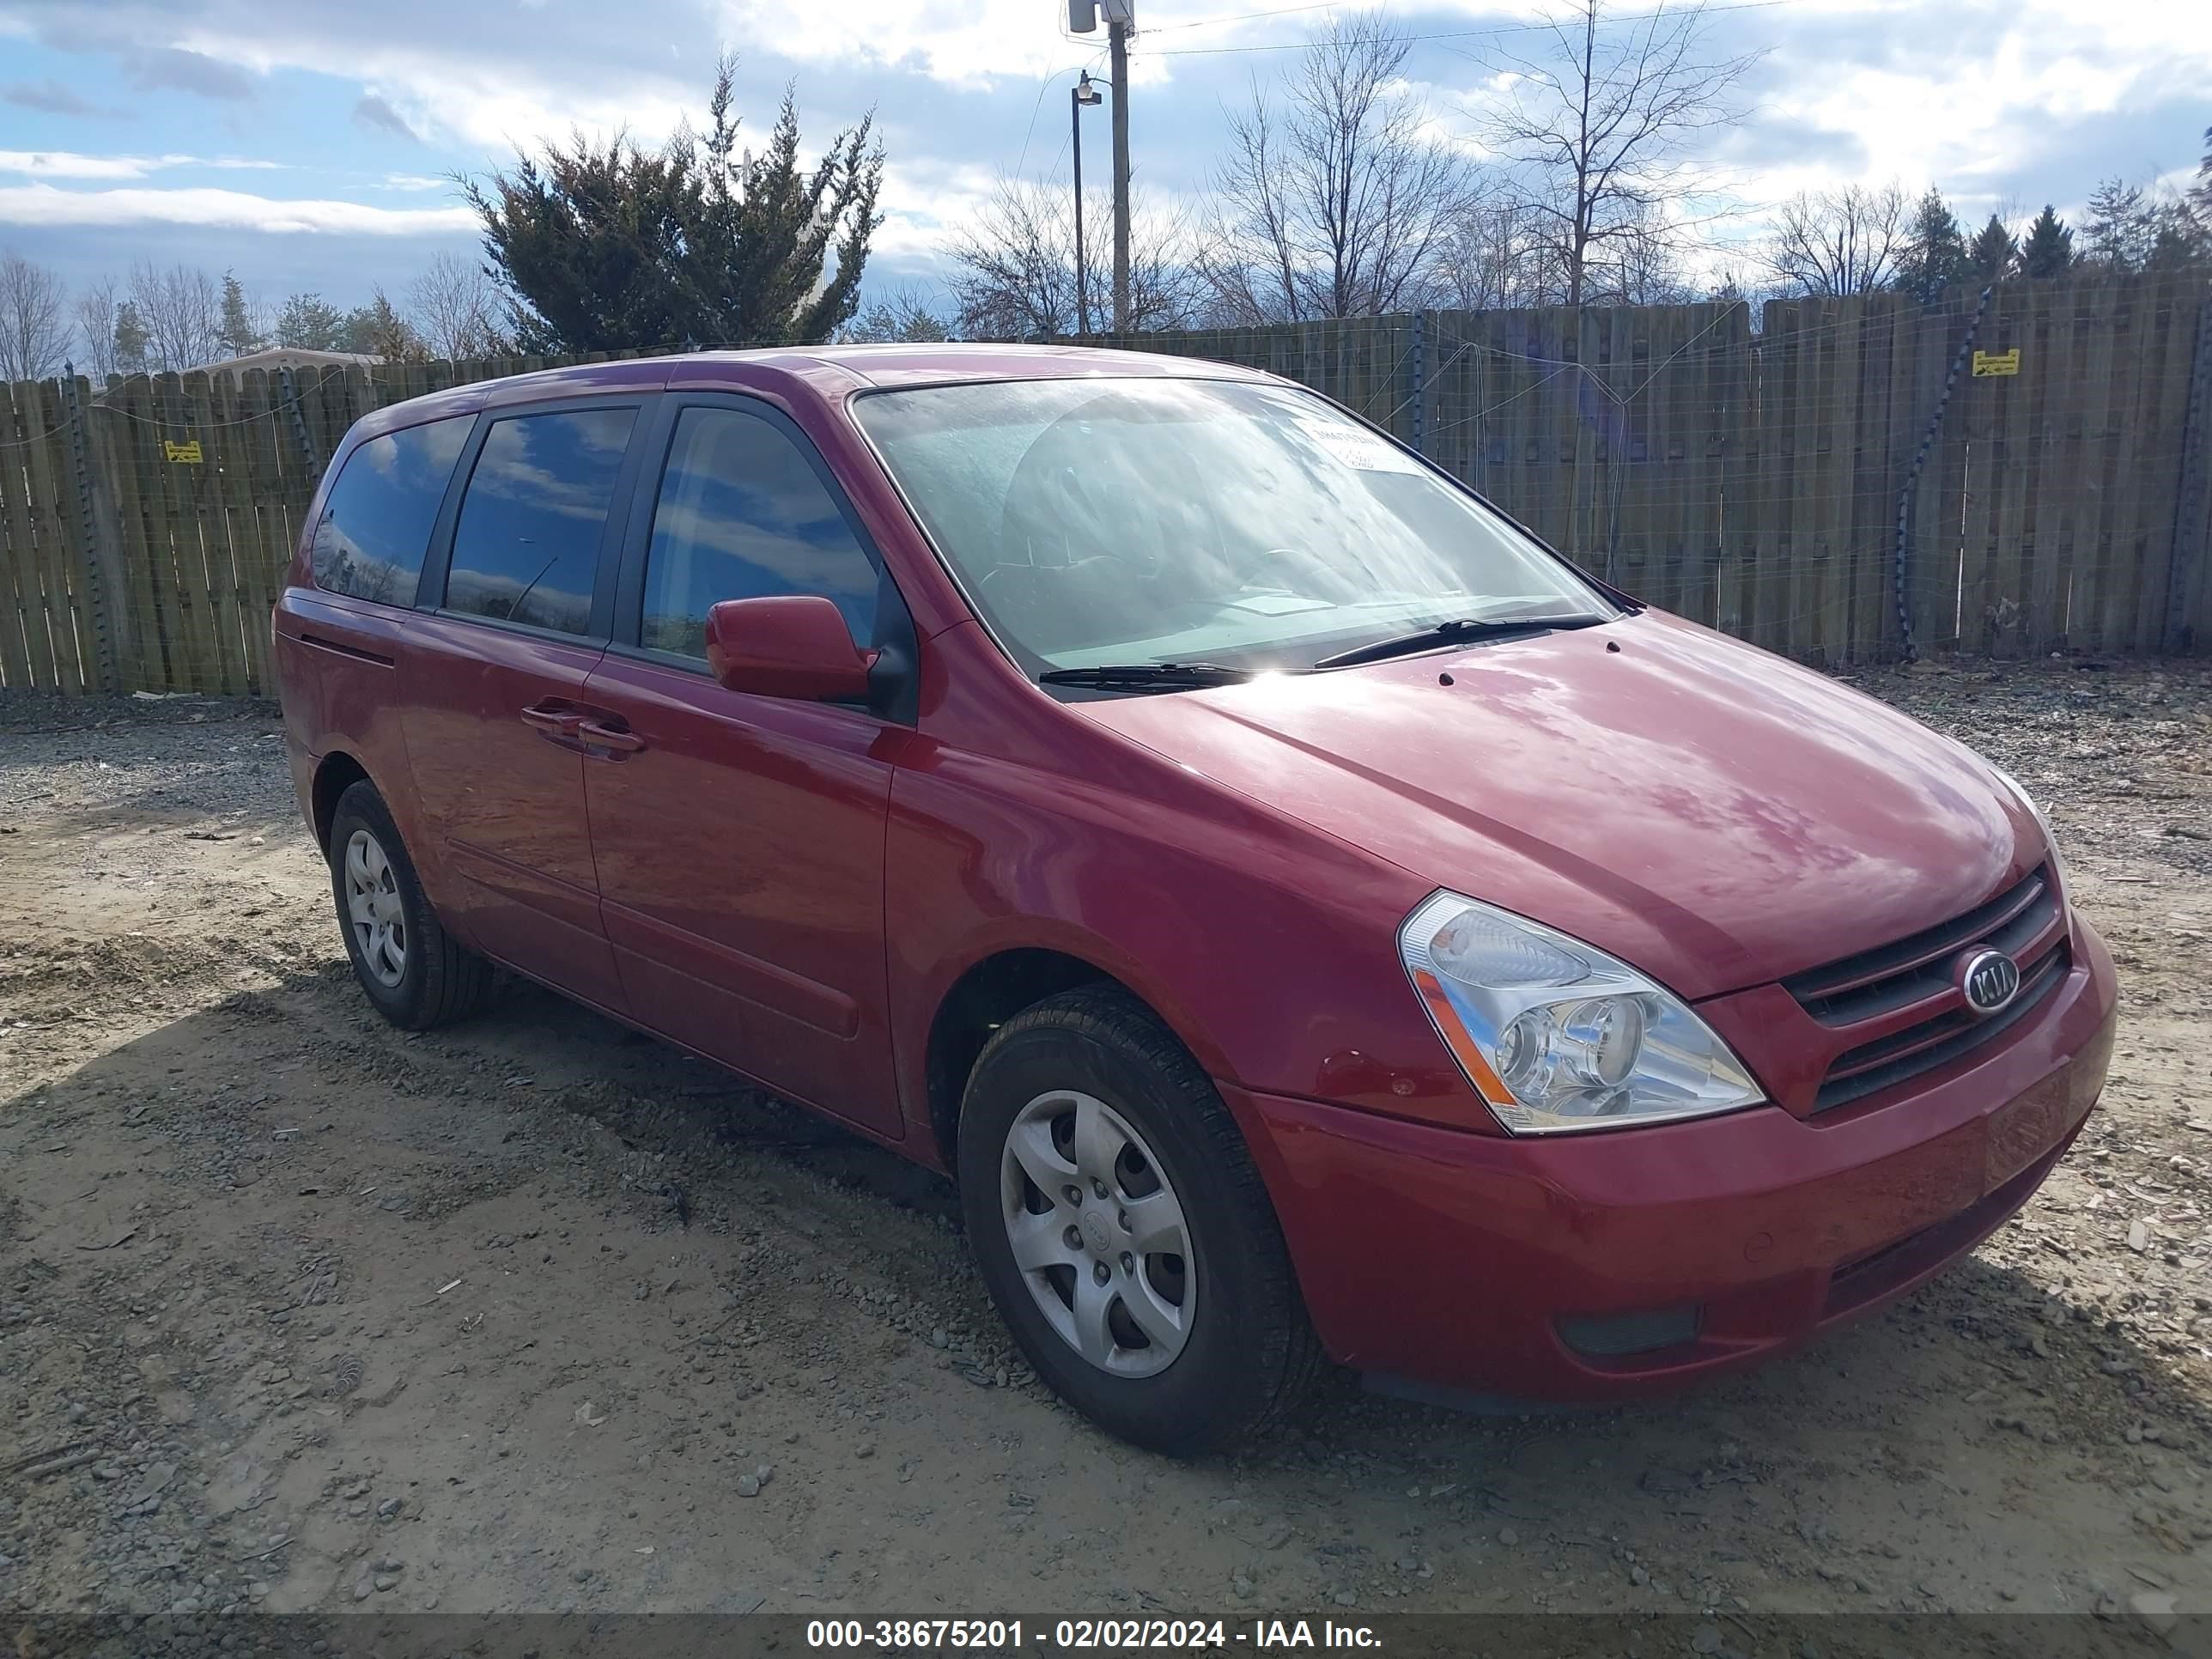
(1305, 914)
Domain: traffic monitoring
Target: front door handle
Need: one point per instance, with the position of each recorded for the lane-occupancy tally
(554, 721)
(619, 738)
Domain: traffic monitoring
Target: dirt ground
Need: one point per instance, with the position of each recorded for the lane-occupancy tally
(300, 1313)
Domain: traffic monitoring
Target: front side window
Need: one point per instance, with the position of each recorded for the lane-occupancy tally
(526, 544)
(1136, 521)
(743, 515)
(379, 514)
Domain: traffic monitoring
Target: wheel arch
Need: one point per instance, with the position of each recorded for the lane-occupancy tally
(990, 992)
(335, 773)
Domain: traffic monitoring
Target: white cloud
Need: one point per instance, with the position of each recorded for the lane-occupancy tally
(1982, 97)
(490, 103)
(967, 43)
(44, 205)
(64, 164)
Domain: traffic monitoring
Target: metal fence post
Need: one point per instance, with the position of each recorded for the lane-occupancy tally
(1908, 649)
(88, 525)
(299, 422)
(2189, 551)
(1420, 368)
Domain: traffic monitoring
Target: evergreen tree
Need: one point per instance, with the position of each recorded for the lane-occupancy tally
(311, 322)
(600, 248)
(2120, 229)
(237, 332)
(132, 341)
(2178, 236)
(378, 330)
(1935, 249)
(1990, 256)
(2049, 249)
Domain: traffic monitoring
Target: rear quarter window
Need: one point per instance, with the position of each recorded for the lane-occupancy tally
(379, 514)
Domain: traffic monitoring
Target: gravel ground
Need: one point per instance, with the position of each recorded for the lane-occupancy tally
(301, 1313)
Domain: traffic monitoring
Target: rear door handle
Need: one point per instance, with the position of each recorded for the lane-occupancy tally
(554, 721)
(599, 735)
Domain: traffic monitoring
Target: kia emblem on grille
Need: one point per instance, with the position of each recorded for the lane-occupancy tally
(1989, 979)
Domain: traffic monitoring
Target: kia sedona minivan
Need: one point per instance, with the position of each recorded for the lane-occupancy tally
(1306, 915)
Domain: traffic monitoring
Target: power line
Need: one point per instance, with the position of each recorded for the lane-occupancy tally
(1454, 34)
(1245, 17)
(1043, 87)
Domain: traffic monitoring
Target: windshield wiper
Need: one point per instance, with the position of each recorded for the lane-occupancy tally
(1147, 675)
(1454, 631)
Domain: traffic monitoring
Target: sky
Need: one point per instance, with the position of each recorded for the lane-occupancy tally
(313, 144)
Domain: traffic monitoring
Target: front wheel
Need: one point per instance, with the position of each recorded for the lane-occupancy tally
(1123, 1230)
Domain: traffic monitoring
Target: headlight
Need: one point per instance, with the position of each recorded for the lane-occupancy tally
(2042, 820)
(1557, 1036)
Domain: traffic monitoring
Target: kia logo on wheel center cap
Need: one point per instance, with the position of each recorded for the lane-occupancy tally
(1989, 979)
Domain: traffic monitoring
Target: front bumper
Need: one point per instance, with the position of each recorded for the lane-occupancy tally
(1452, 1259)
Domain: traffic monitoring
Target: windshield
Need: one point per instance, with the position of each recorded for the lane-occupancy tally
(1125, 521)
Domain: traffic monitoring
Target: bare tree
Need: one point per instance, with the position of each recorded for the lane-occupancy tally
(455, 309)
(1335, 198)
(35, 327)
(1836, 242)
(907, 315)
(97, 309)
(1734, 285)
(1645, 267)
(1596, 123)
(181, 311)
(1013, 275)
(1497, 258)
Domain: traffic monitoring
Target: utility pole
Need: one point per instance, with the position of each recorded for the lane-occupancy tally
(1120, 18)
(1120, 24)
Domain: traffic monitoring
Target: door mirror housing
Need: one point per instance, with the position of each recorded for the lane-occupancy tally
(790, 646)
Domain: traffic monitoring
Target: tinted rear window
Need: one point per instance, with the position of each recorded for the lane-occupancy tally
(526, 547)
(378, 516)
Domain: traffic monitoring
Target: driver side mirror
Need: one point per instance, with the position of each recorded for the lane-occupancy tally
(792, 646)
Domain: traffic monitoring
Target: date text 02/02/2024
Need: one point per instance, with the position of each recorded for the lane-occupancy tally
(1084, 1635)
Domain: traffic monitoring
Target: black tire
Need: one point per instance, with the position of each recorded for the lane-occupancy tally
(440, 980)
(1249, 1353)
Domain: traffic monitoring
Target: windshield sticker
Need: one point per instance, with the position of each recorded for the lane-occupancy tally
(1363, 451)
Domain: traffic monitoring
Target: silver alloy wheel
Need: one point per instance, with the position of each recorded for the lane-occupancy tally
(373, 908)
(1099, 1233)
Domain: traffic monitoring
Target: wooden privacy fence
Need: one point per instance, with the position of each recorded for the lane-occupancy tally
(144, 528)
(1751, 479)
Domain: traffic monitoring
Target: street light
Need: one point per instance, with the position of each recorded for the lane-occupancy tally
(1083, 93)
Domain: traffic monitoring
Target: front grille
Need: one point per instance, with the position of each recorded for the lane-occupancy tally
(1843, 993)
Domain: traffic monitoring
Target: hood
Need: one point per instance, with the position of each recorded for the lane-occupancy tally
(1713, 814)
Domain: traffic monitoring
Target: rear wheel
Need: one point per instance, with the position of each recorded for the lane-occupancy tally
(414, 974)
(1123, 1230)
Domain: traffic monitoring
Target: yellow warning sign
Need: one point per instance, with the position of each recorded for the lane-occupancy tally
(189, 453)
(1997, 362)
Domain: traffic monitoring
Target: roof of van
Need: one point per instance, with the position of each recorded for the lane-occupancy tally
(908, 363)
(830, 372)
(954, 360)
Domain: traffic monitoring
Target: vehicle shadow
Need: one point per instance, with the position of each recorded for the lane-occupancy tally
(1882, 1443)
